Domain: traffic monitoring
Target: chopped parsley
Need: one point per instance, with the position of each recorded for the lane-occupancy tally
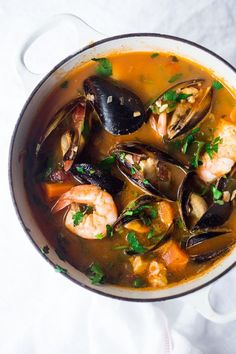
(60, 269)
(77, 217)
(80, 169)
(106, 164)
(138, 283)
(150, 234)
(188, 139)
(175, 77)
(134, 243)
(110, 231)
(195, 159)
(64, 84)
(217, 85)
(104, 66)
(97, 275)
(212, 147)
(154, 55)
(173, 96)
(118, 248)
(145, 181)
(91, 171)
(99, 236)
(179, 223)
(44, 249)
(133, 171)
(216, 193)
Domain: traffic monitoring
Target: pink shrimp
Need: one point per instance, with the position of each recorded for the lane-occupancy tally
(225, 158)
(103, 213)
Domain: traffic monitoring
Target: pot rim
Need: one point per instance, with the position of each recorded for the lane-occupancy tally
(10, 178)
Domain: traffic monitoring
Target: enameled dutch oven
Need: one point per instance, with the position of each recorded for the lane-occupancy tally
(126, 42)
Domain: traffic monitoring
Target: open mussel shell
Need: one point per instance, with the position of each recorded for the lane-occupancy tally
(65, 136)
(200, 212)
(128, 213)
(87, 173)
(133, 212)
(120, 110)
(208, 244)
(151, 169)
(185, 105)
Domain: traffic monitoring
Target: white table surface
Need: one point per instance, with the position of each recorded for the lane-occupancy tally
(41, 312)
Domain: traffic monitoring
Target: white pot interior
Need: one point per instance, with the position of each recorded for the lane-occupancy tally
(119, 44)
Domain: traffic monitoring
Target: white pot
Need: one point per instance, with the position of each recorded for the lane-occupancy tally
(130, 42)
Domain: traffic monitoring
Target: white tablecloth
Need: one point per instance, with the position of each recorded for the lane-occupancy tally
(41, 312)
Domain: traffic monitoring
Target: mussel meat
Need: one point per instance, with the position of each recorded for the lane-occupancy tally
(92, 174)
(120, 110)
(200, 212)
(181, 108)
(208, 244)
(153, 170)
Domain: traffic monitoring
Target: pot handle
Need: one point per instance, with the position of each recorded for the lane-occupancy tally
(201, 302)
(29, 78)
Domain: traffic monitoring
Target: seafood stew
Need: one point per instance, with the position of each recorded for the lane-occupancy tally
(130, 170)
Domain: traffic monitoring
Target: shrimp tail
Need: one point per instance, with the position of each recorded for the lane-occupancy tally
(61, 203)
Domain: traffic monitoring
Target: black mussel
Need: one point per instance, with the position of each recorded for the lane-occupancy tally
(66, 136)
(208, 244)
(141, 216)
(183, 106)
(151, 169)
(92, 174)
(120, 110)
(201, 212)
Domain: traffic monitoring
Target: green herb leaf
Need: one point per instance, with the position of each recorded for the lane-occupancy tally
(189, 139)
(138, 283)
(77, 217)
(134, 243)
(64, 84)
(91, 171)
(118, 248)
(80, 169)
(154, 55)
(212, 147)
(104, 67)
(220, 202)
(60, 269)
(195, 160)
(170, 95)
(180, 224)
(44, 249)
(217, 85)
(110, 231)
(99, 236)
(217, 194)
(107, 163)
(97, 275)
(175, 77)
(151, 234)
(153, 213)
(133, 171)
(145, 181)
(183, 96)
